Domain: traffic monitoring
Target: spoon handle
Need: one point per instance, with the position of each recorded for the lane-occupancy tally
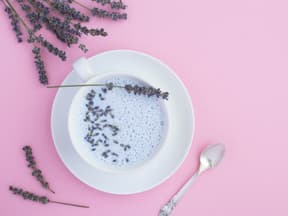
(170, 205)
(185, 187)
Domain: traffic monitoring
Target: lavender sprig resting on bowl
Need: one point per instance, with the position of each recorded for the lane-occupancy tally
(135, 89)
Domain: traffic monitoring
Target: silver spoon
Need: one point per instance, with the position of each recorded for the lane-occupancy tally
(209, 158)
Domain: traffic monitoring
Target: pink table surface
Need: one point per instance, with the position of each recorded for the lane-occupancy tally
(231, 55)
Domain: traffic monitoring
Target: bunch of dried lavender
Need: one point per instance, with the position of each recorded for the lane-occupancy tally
(63, 19)
(35, 170)
(41, 199)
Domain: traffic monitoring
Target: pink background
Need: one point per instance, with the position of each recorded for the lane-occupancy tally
(231, 55)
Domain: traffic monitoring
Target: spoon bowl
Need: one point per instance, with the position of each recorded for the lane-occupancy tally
(212, 155)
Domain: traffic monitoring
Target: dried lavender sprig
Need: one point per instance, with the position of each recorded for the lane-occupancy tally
(113, 4)
(148, 91)
(64, 8)
(47, 45)
(39, 63)
(35, 12)
(8, 3)
(62, 30)
(107, 14)
(68, 32)
(83, 48)
(103, 13)
(14, 23)
(35, 170)
(117, 5)
(137, 90)
(84, 85)
(40, 7)
(92, 32)
(41, 199)
(32, 16)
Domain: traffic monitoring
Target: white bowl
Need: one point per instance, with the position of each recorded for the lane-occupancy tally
(75, 118)
(179, 111)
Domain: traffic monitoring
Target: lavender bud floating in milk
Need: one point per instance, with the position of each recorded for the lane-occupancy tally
(121, 129)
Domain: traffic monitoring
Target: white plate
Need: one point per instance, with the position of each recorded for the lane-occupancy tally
(178, 140)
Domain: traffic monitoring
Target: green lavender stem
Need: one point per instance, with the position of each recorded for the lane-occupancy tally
(81, 5)
(81, 85)
(69, 204)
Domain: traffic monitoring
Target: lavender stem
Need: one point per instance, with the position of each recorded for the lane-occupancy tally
(69, 204)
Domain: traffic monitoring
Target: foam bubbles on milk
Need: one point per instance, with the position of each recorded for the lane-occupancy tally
(141, 121)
